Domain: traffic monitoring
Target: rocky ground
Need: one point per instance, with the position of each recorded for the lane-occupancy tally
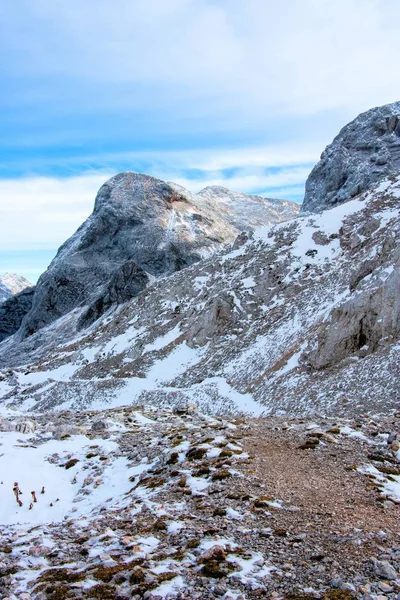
(146, 503)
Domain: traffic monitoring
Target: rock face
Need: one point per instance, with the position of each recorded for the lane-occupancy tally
(140, 227)
(366, 151)
(126, 283)
(13, 310)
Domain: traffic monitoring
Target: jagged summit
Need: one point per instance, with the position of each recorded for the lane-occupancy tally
(15, 283)
(12, 284)
(214, 189)
(141, 227)
(364, 152)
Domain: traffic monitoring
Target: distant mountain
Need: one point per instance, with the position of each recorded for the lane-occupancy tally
(5, 292)
(366, 151)
(141, 228)
(11, 284)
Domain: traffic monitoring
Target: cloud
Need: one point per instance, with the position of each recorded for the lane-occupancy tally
(248, 182)
(252, 59)
(201, 92)
(42, 212)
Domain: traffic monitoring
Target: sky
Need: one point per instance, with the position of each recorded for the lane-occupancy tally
(244, 94)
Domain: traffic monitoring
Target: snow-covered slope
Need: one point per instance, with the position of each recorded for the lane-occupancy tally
(303, 317)
(12, 284)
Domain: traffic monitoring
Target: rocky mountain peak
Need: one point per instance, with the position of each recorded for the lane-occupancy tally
(364, 152)
(130, 191)
(141, 227)
(15, 283)
(12, 284)
(213, 190)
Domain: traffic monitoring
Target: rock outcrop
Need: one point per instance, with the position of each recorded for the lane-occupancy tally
(151, 227)
(125, 284)
(366, 151)
(13, 310)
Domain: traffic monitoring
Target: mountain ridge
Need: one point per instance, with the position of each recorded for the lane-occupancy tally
(139, 219)
(237, 331)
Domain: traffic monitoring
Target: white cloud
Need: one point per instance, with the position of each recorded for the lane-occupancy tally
(277, 155)
(42, 212)
(252, 59)
(249, 183)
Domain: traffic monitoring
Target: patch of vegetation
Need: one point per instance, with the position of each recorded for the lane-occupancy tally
(151, 482)
(226, 454)
(217, 569)
(203, 470)
(60, 575)
(338, 595)
(219, 512)
(137, 576)
(220, 475)
(71, 463)
(173, 459)
(196, 453)
(262, 501)
(103, 591)
(388, 470)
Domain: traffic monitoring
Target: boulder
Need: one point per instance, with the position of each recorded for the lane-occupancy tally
(365, 151)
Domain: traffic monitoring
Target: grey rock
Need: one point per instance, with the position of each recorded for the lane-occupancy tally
(141, 226)
(321, 239)
(365, 321)
(219, 318)
(61, 432)
(337, 582)
(182, 407)
(99, 426)
(391, 437)
(348, 586)
(385, 587)
(126, 283)
(5, 425)
(25, 426)
(366, 151)
(385, 570)
(12, 284)
(265, 327)
(13, 310)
